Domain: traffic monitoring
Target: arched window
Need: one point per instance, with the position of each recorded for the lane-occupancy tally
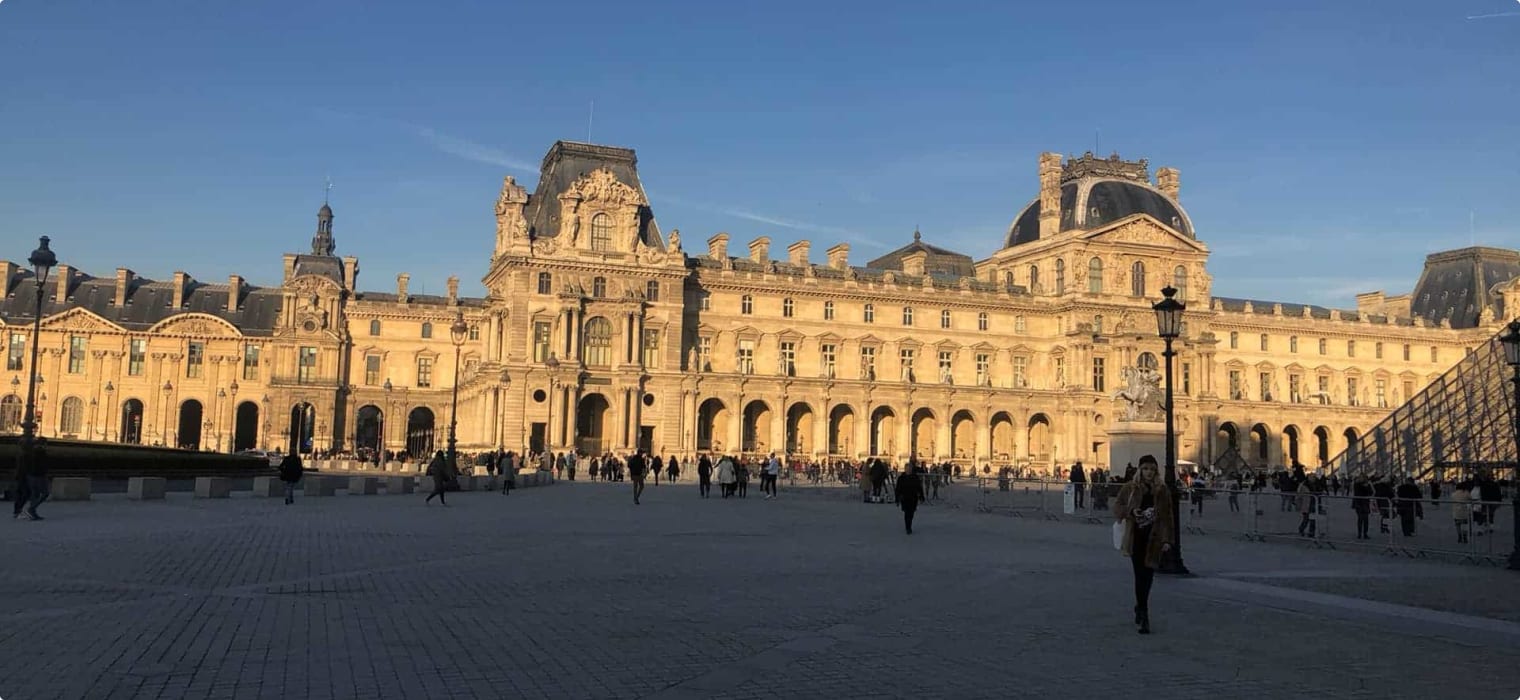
(788, 307)
(599, 286)
(601, 233)
(981, 321)
(652, 291)
(1147, 361)
(1095, 276)
(374, 327)
(746, 304)
(1008, 278)
(944, 317)
(427, 329)
(1179, 282)
(598, 342)
(71, 416)
(1060, 276)
(10, 414)
(1034, 277)
(828, 311)
(907, 315)
(545, 282)
(1137, 279)
(870, 313)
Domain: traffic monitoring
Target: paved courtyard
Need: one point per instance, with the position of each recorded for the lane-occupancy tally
(572, 591)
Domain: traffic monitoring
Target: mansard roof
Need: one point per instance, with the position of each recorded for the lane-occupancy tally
(568, 161)
(938, 261)
(1458, 285)
(148, 302)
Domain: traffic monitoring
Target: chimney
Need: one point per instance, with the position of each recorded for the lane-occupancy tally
(760, 249)
(401, 281)
(839, 256)
(290, 266)
(1050, 194)
(8, 272)
(181, 284)
(1169, 181)
(913, 263)
(717, 247)
(65, 276)
(123, 285)
(350, 272)
(453, 290)
(797, 253)
(234, 292)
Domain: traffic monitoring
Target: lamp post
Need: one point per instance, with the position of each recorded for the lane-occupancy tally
(94, 415)
(42, 260)
(232, 416)
(1511, 342)
(380, 440)
(221, 400)
(163, 428)
(109, 409)
(457, 333)
(1169, 327)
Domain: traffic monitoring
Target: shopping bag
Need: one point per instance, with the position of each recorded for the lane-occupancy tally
(1119, 535)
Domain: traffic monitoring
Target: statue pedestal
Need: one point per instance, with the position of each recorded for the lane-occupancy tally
(1128, 441)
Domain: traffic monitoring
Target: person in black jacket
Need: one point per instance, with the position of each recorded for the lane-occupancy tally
(1409, 507)
(1361, 502)
(290, 473)
(704, 476)
(1383, 491)
(636, 474)
(910, 491)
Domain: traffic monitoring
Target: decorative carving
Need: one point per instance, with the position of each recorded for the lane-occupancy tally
(1143, 232)
(675, 240)
(1141, 394)
(510, 224)
(603, 186)
(195, 325)
(311, 285)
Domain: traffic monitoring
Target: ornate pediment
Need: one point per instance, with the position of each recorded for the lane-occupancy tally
(312, 284)
(603, 186)
(1141, 229)
(202, 325)
(79, 319)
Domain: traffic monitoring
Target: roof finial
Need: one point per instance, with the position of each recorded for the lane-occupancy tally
(916, 235)
(327, 192)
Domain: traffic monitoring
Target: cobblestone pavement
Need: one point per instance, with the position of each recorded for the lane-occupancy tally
(572, 591)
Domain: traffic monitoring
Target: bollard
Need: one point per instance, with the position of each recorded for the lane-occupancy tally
(71, 489)
(268, 487)
(146, 488)
(315, 485)
(398, 485)
(212, 487)
(363, 486)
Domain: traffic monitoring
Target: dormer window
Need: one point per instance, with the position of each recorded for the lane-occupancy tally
(601, 233)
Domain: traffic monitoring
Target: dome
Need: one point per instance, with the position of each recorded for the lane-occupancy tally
(1091, 202)
(325, 212)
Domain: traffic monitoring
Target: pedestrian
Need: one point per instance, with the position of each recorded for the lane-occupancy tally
(439, 470)
(1409, 505)
(32, 486)
(728, 476)
(655, 467)
(570, 463)
(1079, 483)
(1361, 502)
(291, 470)
(1308, 511)
(507, 465)
(23, 492)
(704, 476)
(1461, 509)
(910, 491)
(741, 479)
(672, 469)
(772, 475)
(636, 474)
(1145, 508)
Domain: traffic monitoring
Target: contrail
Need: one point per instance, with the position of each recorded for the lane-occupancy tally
(1495, 14)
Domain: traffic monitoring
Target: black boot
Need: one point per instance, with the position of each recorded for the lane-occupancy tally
(1145, 622)
(1138, 615)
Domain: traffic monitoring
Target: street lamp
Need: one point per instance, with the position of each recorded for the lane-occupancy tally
(94, 416)
(109, 410)
(232, 414)
(457, 333)
(380, 440)
(1169, 327)
(1511, 341)
(42, 260)
(221, 400)
(163, 428)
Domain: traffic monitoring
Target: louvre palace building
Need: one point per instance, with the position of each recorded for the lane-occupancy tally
(602, 331)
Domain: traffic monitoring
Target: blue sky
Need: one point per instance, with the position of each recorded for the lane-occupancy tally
(1325, 145)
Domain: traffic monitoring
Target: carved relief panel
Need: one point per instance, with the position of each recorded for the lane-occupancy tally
(601, 214)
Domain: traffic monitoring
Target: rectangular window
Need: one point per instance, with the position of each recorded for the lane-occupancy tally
(1352, 395)
(1377, 351)
(1019, 324)
(1434, 354)
(1264, 342)
(424, 372)
(1295, 388)
(372, 370)
(704, 301)
(868, 362)
(1100, 377)
(16, 354)
(789, 358)
(651, 347)
(1060, 372)
(250, 362)
(540, 341)
(828, 311)
(905, 363)
(1381, 393)
(944, 319)
(946, 366)
(829, 359)
(1292, 343)
(704, 354)
(1020, 372)
(1265, 378)
(1408, 390)
(1324, 389)
(1406, 352)
(1236, 393)
(195, 360)
(907, 315)
(1324, 346)
(1187, 378)
(76, 354)
(746, 357)
(983, 369)
(474, 333)
(1351, 348)
(306, 366)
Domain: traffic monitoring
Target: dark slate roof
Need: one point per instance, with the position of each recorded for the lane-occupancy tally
(566, 162)
(1089, 203)
(418, 299)
(1263, 307)
(939, 260)
(328, 266)
(148, 302)
(1457, 285)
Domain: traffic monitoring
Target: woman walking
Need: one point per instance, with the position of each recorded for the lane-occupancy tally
(910, 490)
(290, 473)
(704, 476)
(1145, 508)
(727, 476)
(439, 470)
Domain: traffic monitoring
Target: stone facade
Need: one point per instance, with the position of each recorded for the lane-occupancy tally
(598, 331)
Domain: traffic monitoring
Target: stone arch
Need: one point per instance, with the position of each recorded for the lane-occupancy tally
(841, 429)
(130, 431)
(1351, 438)
(712, 425)
(756, 428)
(301, 431)
(245, 432)
(71, 417)
(799, 429)
(367, 427)
(1230, 436)
(419, 432)
(1260, 444)
(883, 431)
(1322, 445)
(10, 413)
(1000, 436)
(1291, 438)
(188, 436)
(1040, 447)
(591, 424)
(963, 435)
(925, 434)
